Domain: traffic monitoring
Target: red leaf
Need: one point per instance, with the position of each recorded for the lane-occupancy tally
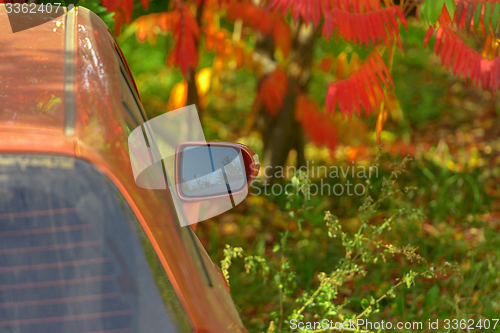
(446, 43)
(379, 91)
(267, 23)
(401, 17)
(449, 54)
(357, 6)
(362, 90)
(428, 36)
(145, 4)
(485, 73)
(463, 66)
(281, 37)
(466, 62)
(328, 26)
(123, 11)
(465, 13)
(495, 72)
(272, 91)
(309, 10)
(353, 94)
(439, 39)
(457, 60)
(365, 101)
(186, 33)
(358, 28)
(381, 65)
(251, 16)
(368, 85)
(316, 124)
(119, 21)
(109, 4)
(326, 64)
(459, 12)
(468, 16)
(331, 97)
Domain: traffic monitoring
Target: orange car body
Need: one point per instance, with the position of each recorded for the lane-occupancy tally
(61, 93)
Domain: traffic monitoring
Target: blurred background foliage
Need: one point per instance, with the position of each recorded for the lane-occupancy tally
(449, 128)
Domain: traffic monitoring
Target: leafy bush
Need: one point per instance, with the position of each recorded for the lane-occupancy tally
(365, 249)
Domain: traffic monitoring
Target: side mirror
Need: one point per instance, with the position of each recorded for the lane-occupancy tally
(204, 179)
(209, 170)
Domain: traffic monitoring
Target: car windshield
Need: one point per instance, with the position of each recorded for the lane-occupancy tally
(73, 256)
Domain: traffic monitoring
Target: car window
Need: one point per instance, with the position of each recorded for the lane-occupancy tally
(134, 109)
(130, 103)
(125, 69)
(134, 113)
(128, 86)
(73, 256)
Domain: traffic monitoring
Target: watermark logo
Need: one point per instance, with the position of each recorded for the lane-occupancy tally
(24, 16)
(330, 180)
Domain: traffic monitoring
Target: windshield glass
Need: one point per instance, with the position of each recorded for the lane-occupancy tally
(73, 257)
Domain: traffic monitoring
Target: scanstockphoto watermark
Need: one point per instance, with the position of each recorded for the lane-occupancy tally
(350, 180)
(358, 325)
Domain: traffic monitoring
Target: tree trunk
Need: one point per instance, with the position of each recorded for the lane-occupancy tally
(283, 133)
(192, 93)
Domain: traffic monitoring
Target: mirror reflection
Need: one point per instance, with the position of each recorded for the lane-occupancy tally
(208, 170)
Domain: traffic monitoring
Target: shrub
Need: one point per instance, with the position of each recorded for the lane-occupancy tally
(366, 249)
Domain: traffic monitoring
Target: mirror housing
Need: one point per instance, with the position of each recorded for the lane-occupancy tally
(206, 170)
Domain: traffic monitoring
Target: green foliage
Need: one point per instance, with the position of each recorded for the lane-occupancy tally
(229, 254)
(95, 6)
(365, 250)
(431, 9)
(156, 6)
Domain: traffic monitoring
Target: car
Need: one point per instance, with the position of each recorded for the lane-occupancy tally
(83, 248)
